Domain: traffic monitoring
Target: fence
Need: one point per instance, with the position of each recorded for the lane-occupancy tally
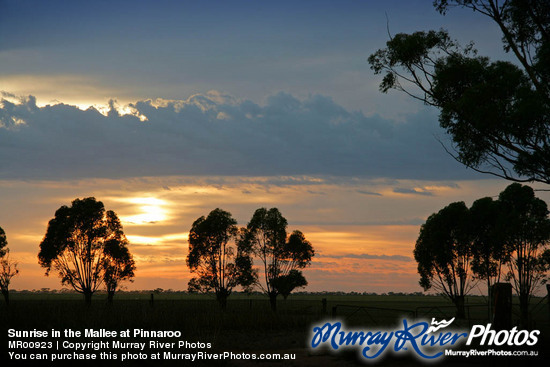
(474, 314)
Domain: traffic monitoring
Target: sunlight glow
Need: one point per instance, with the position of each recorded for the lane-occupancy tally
(143, 240)
(152, 210)
(154, 240)
(104, 109)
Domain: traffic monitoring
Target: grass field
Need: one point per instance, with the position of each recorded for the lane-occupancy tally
(248, 323)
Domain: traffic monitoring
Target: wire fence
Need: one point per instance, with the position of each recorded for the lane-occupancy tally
(539, 314)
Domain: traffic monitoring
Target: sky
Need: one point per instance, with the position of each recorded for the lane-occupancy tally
(166, 110)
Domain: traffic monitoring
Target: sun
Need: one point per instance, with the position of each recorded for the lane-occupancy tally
(151, 211)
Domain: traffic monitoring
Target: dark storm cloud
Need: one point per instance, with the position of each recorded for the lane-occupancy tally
(214, 134)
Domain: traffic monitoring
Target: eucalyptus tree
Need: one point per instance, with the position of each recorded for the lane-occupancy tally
(3, 242)
(527, 235)
(119, 263)
(296, 254)
(216, 258)
(489, 250)
(443, 252)
(281, 257)
(75, 244)
(488, 240)
(8, 267)
(497, 113)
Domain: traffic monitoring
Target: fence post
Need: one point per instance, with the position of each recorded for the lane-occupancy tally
(324, 306)
(333, 311)
(502, 306)
(152, 300)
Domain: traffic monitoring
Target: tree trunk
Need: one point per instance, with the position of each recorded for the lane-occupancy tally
(501, 294)
(273, 300)
(548, 297)
(460, 310)
(221, 296)
(88, 297)
(110, 295)
(524, 310)
(6, 294)
(489, 300)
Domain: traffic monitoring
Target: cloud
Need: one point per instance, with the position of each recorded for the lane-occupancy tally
(216, 134)
(368, 257)
(365, 192)
(403, 222)
(415, 191)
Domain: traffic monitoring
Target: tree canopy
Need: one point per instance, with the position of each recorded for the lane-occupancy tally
(266, 237)
(496, 112)
(527, 235)
(119, 263)
(443, 253)
(8, 267)
(488, 228)
(499, 239)
(3, 242)
(218, 264)
(75, 244)
(285, 284)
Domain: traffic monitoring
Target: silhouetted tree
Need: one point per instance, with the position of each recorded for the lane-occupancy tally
(119, 262)
(487, 227)
(266, 237)
(8, 269)
(3, 242)
(218, 265)
(497, 113)
(443, 253)
(74, 244)
(527, 237)
(297, 254)
(285, 284)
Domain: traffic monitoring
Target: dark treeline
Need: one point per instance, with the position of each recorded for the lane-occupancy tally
(497, 115)
(160, 291)
(86, 245)
(493, 240)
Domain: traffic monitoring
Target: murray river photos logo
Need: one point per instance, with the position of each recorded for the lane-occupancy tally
(426, 341)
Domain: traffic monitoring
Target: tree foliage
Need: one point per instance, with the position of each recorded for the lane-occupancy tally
(487, 228)
(281, 257)
(443, 253)
(119, 263)
(527, 235)
(495, 239)
(3, 242)
(296, 254)
(285, 284)
(8, 267)
(496, 112)
(75, 244)
(219, 262)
